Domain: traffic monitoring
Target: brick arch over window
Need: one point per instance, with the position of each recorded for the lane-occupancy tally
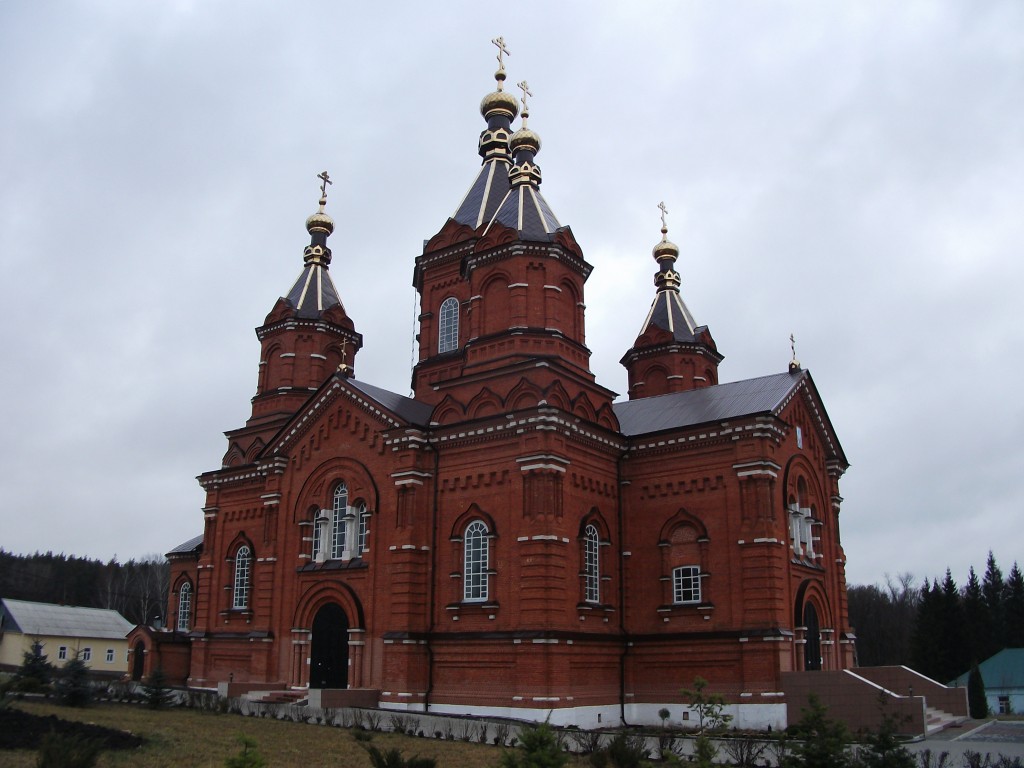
(175, 609)
(684, 561)
(524, 394)
(805, 504)
(473, 556)
(241, 557)
(485, 403)
(318, 488)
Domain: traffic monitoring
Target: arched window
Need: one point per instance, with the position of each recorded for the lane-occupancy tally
(475, 561)
(591, 565)
(363, 533)
(319, 524)
(243, 562)
(448, 329)
(339, 511)
(185, 607)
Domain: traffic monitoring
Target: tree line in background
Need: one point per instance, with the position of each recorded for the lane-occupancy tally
(939, 629)
(136, 589)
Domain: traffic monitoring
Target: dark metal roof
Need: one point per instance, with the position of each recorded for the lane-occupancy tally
(484, 197)
(525, 210)
(188, 547)
(313, 292)
(670, 313)
(709, 404)
(405, 408)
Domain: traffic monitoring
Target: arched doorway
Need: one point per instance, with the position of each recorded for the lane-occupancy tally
(138, 660)
(329, 653)
(812, 644)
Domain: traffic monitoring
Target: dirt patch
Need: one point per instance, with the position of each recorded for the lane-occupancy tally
(20, 730)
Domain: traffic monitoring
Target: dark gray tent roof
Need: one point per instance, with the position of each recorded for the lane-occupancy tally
(405, 408)
(188, 547)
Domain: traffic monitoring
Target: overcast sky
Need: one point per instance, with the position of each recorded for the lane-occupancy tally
(852, 173)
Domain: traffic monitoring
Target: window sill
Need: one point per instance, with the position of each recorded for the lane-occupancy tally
(686, 608)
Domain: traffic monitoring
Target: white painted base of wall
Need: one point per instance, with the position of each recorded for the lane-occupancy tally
(755, 717)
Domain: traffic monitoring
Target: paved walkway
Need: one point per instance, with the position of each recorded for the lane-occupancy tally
(995, 737)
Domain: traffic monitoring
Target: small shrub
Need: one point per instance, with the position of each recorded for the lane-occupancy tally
(924, 759)
(61, 751)
(392, 758)
(745, 752)
(249, 757)
(587, 742)
(398, 723)
(501, 732)
(361, 735)
(155, 691)
(73, 686)
(373, 719)
(540, 749)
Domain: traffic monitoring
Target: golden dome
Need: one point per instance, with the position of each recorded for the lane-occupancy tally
(500, 102)
(320, 221)
(526, 138)
(666, 249)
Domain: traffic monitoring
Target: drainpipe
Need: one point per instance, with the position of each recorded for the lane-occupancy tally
(622, 591)
(433, 584)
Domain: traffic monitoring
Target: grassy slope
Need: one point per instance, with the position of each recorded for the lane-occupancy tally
(181, 737)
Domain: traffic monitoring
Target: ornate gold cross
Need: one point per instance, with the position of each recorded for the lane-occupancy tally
(502, 51)
(326, 180)
(525, 88)
(664, 210)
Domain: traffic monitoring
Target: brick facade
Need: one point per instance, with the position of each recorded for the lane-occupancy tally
(503, 543)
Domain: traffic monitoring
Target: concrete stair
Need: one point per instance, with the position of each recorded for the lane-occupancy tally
(298, 698)
(936, 720)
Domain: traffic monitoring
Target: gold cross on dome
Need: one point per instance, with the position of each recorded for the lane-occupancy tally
(502, 51)
(792, 345)
(664, 211)
(325, 179)
(525, 88)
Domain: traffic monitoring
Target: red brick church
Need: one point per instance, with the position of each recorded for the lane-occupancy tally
(510, 541)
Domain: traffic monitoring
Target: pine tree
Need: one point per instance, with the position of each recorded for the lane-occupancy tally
(35, 672)
(927, 648)
(821, 741)
(73, 686)
(992, 587)
(883, 749)
(954, 637)
(977, 704)
(977, 622)
(1014, 604)
(540, 749)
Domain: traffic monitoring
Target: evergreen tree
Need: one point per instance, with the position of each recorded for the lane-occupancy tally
(954, 637)
(927, 647)
(1014, 604)
(73, 686)
(883, 749)
(992, 587)
(977, 622)
(977, 704)
(820, 741)
(155, 690)
(540, 749)
(35, 672)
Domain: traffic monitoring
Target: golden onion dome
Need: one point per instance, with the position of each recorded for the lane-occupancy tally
(665, 249)
(525, 138)
(320, 221)
(500, 102)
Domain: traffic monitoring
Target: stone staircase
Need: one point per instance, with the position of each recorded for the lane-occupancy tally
(936, 720)
(299, 698)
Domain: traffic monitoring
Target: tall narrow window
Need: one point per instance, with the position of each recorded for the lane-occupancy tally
(243, 559)
(319, 522)
(184, 607)
(475, 563)
(686, 584)
(448, 330)
(362, 538)
(591, 565)
(339, 511)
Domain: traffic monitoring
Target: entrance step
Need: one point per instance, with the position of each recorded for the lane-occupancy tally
(937, 720)
(280, 697)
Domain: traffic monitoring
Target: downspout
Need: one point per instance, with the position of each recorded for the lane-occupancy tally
(433, 583)
(622, 591)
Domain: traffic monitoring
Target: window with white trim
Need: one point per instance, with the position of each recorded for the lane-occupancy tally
(87, 654)
(110, 655)
(319, 526)
(686, 584)
(62, 653)
(185, 607)
(338, 522)
(363, 534)
(591, 565)
(243, 565)
(476, 556)
(448, 327)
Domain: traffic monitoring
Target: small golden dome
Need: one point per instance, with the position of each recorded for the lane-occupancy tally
(666, 249)
(500, 102)
(320, 221)
(525, 138)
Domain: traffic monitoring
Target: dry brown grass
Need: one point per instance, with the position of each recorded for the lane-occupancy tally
(183, 738)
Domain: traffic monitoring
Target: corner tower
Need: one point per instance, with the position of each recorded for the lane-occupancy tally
(307, 336)
(672, 353)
